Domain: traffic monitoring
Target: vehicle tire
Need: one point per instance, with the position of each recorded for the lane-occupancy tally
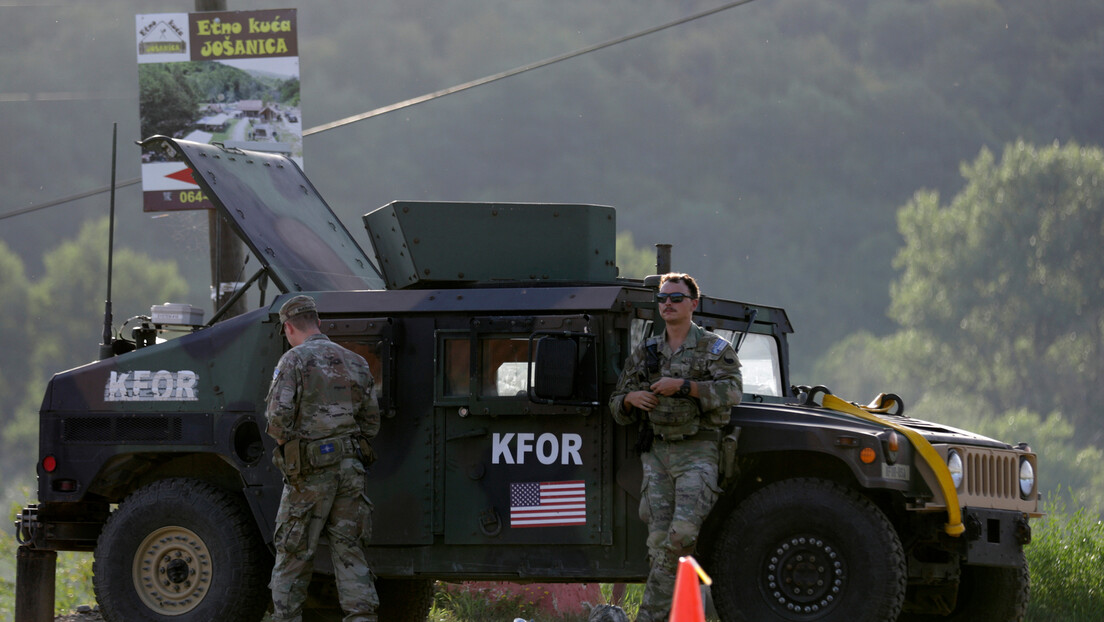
(181, 550)
(404, 600)
(987, 594)
(808, 549)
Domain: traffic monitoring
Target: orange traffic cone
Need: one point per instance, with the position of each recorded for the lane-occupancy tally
(687, 604)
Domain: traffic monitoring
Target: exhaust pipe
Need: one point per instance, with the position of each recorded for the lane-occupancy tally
(663, 258)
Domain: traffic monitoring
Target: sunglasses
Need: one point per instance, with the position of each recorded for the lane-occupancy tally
(675, 298)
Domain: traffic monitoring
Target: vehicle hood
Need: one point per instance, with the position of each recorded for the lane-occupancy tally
(278, 213)
(800, 416)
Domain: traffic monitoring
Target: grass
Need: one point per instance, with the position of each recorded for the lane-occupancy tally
(1066, 560)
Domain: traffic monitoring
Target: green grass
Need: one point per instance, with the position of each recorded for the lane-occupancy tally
(1066, 560)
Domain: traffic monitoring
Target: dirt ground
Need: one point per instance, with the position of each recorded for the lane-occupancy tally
(84, 614)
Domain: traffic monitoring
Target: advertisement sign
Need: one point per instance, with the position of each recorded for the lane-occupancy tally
(228, 77)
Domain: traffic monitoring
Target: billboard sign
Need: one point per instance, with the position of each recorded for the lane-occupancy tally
(229, 77)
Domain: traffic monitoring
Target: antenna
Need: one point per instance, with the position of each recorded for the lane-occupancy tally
(105, 346)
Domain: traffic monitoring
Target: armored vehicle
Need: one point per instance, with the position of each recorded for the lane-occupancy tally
(496, 333)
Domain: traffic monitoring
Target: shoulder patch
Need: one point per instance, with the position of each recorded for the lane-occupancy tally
(718, 346)
(275, 372)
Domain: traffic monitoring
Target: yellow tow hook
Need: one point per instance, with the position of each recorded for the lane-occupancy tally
(954, 526)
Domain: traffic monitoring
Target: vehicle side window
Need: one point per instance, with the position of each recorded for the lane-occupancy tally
(760, 364)
(505, 366)
(457, 364)
(372, 352)
(373, 339)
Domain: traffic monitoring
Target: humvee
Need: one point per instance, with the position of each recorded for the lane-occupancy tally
(495, 333)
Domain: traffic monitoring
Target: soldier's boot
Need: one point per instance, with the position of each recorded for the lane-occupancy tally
(361, 617)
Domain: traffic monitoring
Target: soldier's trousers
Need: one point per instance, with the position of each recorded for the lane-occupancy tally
(679, 489)
(331, 500)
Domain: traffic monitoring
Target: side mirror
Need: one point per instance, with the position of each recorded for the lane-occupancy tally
(565, 369)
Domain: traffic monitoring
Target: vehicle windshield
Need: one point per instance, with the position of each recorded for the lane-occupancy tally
(760, 363)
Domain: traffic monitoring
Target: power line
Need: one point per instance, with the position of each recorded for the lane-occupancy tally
(318, 129)
(72, 197)
(517, 70)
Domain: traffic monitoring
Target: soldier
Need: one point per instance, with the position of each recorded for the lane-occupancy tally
(681, 386)
(322, 410)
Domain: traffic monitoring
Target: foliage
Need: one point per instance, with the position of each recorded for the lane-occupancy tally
(66, 304)
(485, 604)
(1000, 309)
(1066, 556)
(768, 143)
(1008, 277)
(633, 262)
(169, 102)
(13, 326)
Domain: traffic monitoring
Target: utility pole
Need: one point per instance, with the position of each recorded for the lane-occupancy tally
(227, 254)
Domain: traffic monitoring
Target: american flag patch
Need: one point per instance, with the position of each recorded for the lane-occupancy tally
(547, 504)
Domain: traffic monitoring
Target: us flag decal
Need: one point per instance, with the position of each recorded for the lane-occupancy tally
(547, 504)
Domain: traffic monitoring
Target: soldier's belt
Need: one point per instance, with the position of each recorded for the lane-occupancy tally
(700, 435)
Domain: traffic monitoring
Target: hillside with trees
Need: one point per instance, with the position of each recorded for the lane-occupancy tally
(914, 180)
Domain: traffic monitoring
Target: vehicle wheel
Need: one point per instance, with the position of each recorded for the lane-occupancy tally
(181, 550)
(808, 549)
(987, 594)
(404, 600)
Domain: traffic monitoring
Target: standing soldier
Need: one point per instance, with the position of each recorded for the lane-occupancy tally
(682, 385)
(321, 410)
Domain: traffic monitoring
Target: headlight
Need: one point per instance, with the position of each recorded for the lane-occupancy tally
(1027, 478)
(954, 465)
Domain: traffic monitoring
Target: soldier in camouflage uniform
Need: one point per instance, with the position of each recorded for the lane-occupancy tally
(321, 410)
(681, 386)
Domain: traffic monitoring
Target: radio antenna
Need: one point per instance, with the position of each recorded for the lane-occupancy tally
(106, 350)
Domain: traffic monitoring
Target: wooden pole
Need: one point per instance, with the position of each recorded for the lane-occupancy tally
(227, 254)
(34, 584)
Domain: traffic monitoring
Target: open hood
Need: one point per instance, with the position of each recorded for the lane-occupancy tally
(280, 216)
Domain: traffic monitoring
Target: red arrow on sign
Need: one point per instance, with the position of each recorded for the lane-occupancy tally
(184, 175)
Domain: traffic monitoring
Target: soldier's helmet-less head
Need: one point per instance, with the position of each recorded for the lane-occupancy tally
(298, 305)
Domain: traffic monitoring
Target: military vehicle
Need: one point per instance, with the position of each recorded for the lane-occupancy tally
(496, 333)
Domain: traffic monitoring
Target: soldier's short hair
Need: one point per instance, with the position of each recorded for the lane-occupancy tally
(679, 277)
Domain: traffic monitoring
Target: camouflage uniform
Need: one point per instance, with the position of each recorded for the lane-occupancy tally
(321, 390)
(681, 468)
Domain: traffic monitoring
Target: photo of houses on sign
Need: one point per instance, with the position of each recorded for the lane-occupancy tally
(228, 77)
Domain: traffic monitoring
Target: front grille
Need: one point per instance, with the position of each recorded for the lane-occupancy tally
(991, 479)
(990, 475)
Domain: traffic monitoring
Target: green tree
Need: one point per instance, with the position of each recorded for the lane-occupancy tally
(67, 305)
(1008, 278)
(633, 262)
(13, 326)
(1000, 305)
(68, 301)
(169, 102)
